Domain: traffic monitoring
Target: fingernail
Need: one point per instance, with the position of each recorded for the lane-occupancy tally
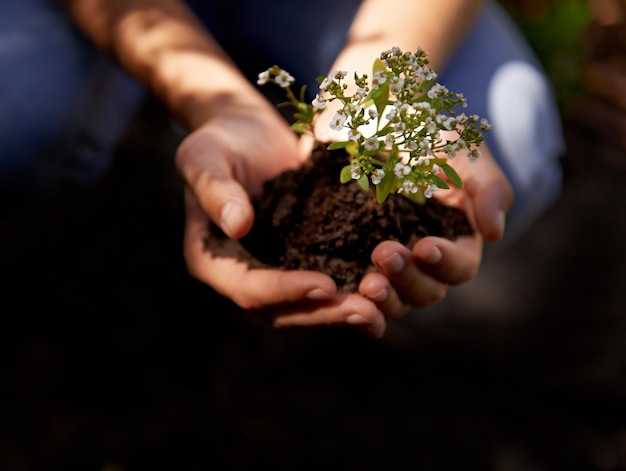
(433, 256)
(356, 319)
(380, 296)
(395, 263)
(318, 294)
(231, 216)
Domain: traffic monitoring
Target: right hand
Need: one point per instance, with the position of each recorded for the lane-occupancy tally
(224, 161)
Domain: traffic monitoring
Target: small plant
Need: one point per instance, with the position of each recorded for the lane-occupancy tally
(402, 126)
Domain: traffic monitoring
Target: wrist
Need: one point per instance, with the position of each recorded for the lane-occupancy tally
(197, 87)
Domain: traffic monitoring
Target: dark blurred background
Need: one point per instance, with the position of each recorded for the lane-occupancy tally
(113, 359)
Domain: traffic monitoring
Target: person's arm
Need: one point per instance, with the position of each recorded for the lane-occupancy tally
(237, 140)
(435, 26)
(163, 45)
(420, 276)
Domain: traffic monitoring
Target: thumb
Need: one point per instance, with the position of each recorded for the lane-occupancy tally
(492, 196)
(208, 173)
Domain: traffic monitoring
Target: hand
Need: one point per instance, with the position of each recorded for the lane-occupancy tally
(420, 277)
(222, 162)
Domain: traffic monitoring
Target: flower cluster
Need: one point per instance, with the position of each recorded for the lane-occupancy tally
(401, 126)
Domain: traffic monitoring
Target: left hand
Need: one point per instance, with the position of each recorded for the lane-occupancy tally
(420, 277)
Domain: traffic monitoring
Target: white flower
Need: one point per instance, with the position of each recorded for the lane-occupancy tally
(437, 90)
(395, 85)
(424, 107)
(410, 145)
(263, 77)
(284, 79)
(430, 189)
(399, 127)
(430, 125)
(354, 108)
(325, 83)
(371, 144)
(401, 170)
(373, 113)
(330, 78)
(377, 176)
(392, 114)
(378, 79)
(319, 102)
(389, 140)
(355, 171)
(408, 187)
(435, 168)
(428, 74)
(354, 135)
(447, 122)
(484, 125)
(359, 94)
(424, 143)
(338, 121)
(450, 150)
(473, 155)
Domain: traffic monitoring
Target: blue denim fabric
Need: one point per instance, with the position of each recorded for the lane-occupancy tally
(302, 36)
(64, 106)
(502, 80)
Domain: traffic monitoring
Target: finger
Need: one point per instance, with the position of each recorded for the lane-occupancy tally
(413, 286)
(492, 196)
(250, 289)
(210, 178)
(450, 262)
(376, 287)
(346, 309)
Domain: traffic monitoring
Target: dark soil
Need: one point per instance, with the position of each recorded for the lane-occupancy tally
(113, 358)
(307, 220)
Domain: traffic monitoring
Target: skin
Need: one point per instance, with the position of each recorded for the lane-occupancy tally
(227, 156)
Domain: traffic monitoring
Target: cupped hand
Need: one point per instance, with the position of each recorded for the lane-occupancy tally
(420, 277)
(222, 163)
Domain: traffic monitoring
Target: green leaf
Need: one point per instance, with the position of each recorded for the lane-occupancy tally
(440, 182)
(452, 175)
(383, 189)
(303, 108)
(417, 198)
(386, 130)
(303, 93)
(378, 65)
(382, 100)
(352, 148)
(364, 182)
(346, 174)
(381, 194)
(388, 183)
(299, 128)
(338, 145)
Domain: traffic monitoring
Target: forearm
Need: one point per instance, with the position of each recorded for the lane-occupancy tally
(162, 44)
(435, 26)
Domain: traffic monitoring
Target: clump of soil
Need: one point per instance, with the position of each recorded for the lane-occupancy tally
(307, 220)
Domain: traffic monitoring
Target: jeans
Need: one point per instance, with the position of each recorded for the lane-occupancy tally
(64, 106)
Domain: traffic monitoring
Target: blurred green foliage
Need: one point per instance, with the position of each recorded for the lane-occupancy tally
(556, 32)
